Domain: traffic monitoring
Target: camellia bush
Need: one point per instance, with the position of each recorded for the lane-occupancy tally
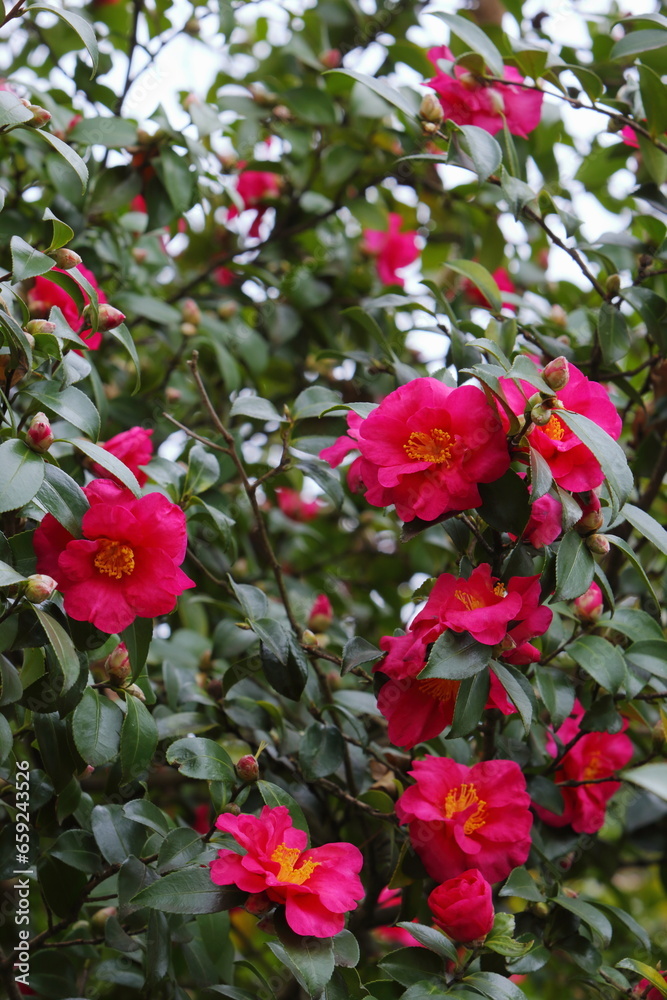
(333, 407)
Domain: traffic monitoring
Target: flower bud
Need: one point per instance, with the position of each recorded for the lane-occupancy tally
(191, 312)
(331, 58)
(172, 394)
(36, 326)
(309, 637)
(140, 254)
(258, 903)
(541, 414)
(39, 587)
(66, 259)
(31, 340)
(40, 116)
(39, 435)
(214, 689)
(592, 521)
(227, 309)
(598, 544)
(188, 329)
(321, 614)
(589, 606)
(109, 318)
(557, 373)
(117, 665)
(99, 919)
(283, 113)
(430, 109)
(463, 906)
(247, 768)
(613, 285)
(136, 692)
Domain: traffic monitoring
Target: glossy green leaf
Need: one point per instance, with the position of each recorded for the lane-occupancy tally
(22, 474)
(197, 757)
(575, 567)
(83, 28)
(109, 462)
(189, 891)
(138, 739)
(455, 656)
(71, 404)
(26, 261)
(96, 726)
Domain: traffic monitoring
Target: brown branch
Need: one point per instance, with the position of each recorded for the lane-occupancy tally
(332, 787)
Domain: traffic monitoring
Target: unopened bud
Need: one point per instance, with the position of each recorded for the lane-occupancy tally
(613, 285)
(260, 96)
(39, 435)
(108, 318)
(429, 128)
(191, 26)
(559, 317)
(321, 614)
(99, 919)
(247, 768)
(40, 116)
(589, 606)
(258, 903)
(557, 373)
(282, 113)
(430, 109)
(214, 689)
(66, 259)
(613, 125)
(309, 637)
(136, 692)
(36, 326)
(140, 254)
(592, 521)
(39, 587)
(541, 414)
(598, 544)
(227, 309)
(331, 58)
(172, 394)
(188, 329)
(191, 312)
(117, 665)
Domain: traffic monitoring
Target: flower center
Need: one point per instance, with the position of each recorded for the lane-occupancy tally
(470, 602)
(499, 589)
(440, 689)
(554, 429)
(594, 767)
(430, 446)
(287, 857)
(462, 798)
(114, 558)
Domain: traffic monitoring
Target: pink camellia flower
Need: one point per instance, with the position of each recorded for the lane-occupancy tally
(468, 101)
(253, 188)
(460, 815)
(545, 522)
(292, 504)
(572, 464)
(593, 756)
(387, 933)
(45, 294)
(589, 606)
(126, 565)
(133, 447)
(646, 990)
(391, 248)
(427, 447)
(318, 886)
(321, 614)
(342, 446)
(504, 283)
(463, 906)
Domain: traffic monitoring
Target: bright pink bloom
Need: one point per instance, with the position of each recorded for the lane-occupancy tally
(653, 993)
(342, 446)
(45, 294)
(133, 447)
(125, 566)
(253, 188)
(461, 816)
(223, 276)
(321, 614)
(463, 906)
(545, 522)
(589, 605)
(318, 885)
(427, 446)
(467, 101)
(593, 756)
(504, 283)
(387, 933)
(138, 204)
(293, 505)
(572, 464)
(392, 249)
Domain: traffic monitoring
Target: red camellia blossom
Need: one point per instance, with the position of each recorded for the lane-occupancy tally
(133, 447)
(342, 446)
(468, 101)
(392, 249)
(292, 504)
(572, 464)
(593, 756)
(463, 906)
(318, 885)
(45, 294)
(426, 448)
(321, 614)
(460, 815)
(254, 187)
(589, 605)
(125, 566)
(646, 990)
(504, 283)
(545, 522)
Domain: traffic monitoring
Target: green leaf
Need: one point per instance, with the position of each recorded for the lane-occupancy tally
(654, 99)
(357, 651)
(138, 740)
(62, 233)
(22, 474)
(96, 726)
(117, 836)
(635, 43)
(274, 795)
(112, 132)
(124, 337)
(382, 89)
(12, 111)
(61, 496)
(197, 757)
(621, 544)
(288, 677)
(455, 656)
(109, 462)
(646, 972)
(540, 476)
(63, 647)
(9, 576)
(652, 777)
(518, 690)
(321, 751)
(600, 659)
(67, 153)
(478, 41)
(71, 404)
(346, 950)
(6, 739)
(575, 567)
(79, 24)
(203, 470)
(505, 503)
(482, 149)
(189, 891)
(255, 407)
(15, 337)
(471, 700)
(77, 849)
(147, 813)
(481, 278)
(646, 526)
(310, 959)
(178, 849)
(26, 261)
(494, 986)
(254, 601)
(522, 884)
(590, 915)
(432, 939)
(649, 655)
(613, 333)
(137, 637)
